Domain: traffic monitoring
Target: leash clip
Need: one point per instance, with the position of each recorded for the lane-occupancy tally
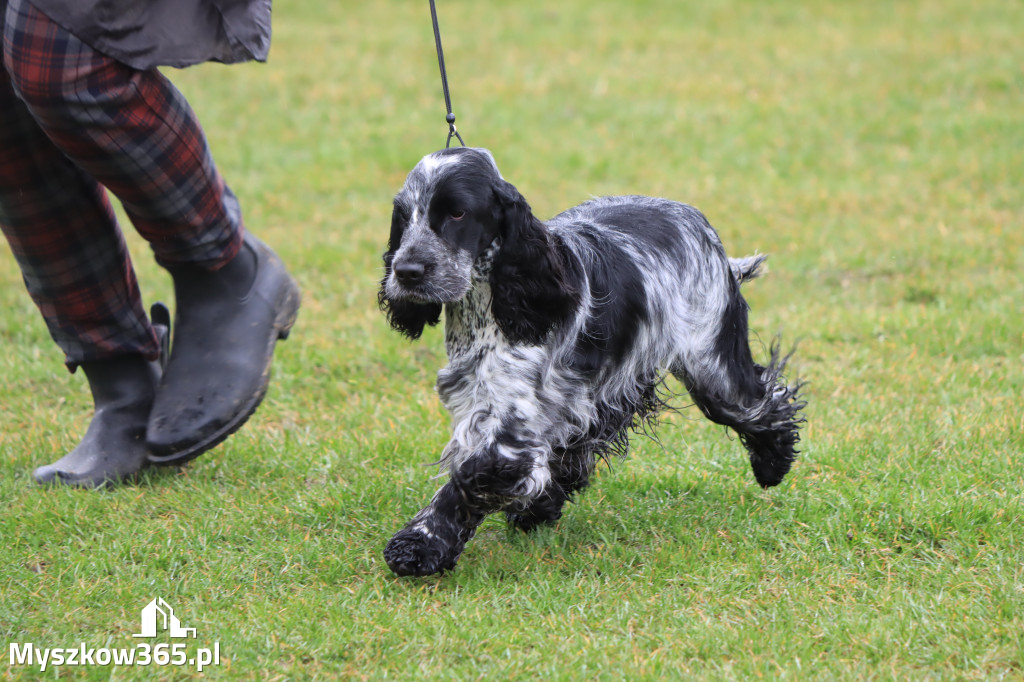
(452, 132)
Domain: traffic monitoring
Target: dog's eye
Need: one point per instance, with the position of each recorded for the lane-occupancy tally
(457, 215)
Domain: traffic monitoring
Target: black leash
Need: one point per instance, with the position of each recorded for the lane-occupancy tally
(444, 81)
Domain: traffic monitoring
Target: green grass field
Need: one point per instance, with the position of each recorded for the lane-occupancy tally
(875, 150)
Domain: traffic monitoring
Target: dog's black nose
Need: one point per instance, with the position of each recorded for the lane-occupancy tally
(409, 274)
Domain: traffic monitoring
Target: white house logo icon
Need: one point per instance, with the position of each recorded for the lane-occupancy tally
(159, 612)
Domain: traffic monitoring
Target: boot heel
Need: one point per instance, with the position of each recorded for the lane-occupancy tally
(160, 318)
(288, 310)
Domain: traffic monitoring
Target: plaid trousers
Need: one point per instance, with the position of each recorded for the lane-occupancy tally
(73, 122)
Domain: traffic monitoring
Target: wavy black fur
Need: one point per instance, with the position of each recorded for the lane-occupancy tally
(533, 286)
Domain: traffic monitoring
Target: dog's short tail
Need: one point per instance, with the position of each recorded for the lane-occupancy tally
(748, 267)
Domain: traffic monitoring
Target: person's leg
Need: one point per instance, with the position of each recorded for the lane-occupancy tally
(63, 234)
(136, 134)
(75, 264)
(133, 132)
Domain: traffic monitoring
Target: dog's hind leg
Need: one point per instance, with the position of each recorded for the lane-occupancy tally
(754, 400)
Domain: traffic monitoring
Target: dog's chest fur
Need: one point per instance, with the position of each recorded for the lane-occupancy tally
(470, 328)
(477, 351)
(489, 383)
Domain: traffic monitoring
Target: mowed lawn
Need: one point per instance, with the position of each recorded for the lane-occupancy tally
(874, 149)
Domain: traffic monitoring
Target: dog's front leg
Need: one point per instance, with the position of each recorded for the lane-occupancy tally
(505, 473)
(434, 539)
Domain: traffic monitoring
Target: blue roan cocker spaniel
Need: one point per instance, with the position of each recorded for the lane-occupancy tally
(559, 335)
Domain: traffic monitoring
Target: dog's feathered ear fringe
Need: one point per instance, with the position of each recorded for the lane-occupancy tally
(534, 286)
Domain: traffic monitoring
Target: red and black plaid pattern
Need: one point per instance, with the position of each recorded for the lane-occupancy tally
(71, 122)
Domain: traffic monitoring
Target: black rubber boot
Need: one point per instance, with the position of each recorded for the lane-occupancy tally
(226, 325)
(114, 446)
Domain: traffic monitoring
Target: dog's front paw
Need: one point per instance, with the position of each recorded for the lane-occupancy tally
(534, 517)
(529, 522)
(414, 550)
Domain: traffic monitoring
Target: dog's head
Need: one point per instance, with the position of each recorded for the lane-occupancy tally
(453, 207)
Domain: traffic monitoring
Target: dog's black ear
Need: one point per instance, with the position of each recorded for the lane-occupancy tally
(533, 283)
(404, 316)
